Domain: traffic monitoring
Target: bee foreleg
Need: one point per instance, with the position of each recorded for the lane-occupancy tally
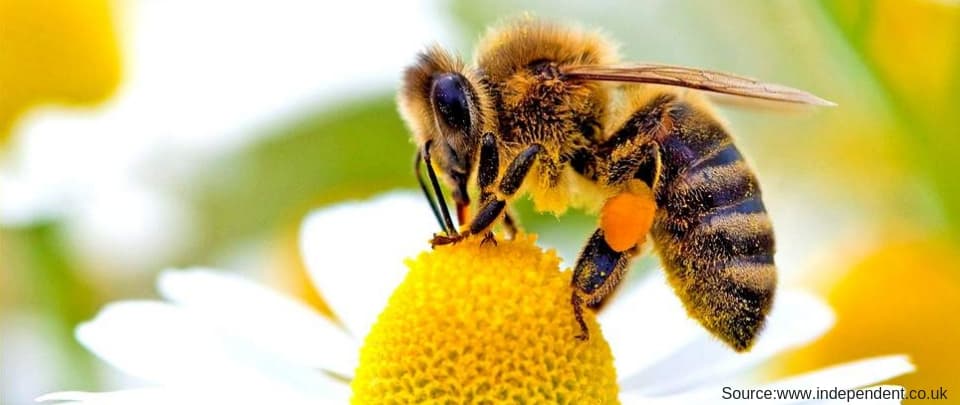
(493, 206)
(509, 184)
(489, 165)
(487, 170)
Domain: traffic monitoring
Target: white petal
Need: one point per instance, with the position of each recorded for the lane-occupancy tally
(631, 324)
(854, 374)
(797, 318)
(631, 398)
(266, 319)
(143, 396)
(155, 341)
(716, 397)
(169, 345)
(355, 251)
(848, 376)
(193, 395)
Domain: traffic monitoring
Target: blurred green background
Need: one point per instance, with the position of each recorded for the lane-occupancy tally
(863, 196)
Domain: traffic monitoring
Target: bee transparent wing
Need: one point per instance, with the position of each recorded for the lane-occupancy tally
(718, 82)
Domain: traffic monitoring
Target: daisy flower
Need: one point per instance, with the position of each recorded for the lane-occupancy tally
(460, 324)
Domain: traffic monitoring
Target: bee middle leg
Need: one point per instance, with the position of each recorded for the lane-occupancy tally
(492, 205)
(625, 220)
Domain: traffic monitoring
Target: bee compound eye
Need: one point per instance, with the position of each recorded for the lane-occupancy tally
(450, 100)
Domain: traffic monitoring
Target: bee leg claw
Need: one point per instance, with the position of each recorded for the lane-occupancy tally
(488, 238)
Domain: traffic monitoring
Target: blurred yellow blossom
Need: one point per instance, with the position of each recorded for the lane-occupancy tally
(61, 51)
(901, 298)
(917, 59)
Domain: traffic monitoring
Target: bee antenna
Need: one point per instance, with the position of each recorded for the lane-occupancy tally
(417, 160)
(444, 212)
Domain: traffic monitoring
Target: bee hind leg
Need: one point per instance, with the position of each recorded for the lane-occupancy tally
(599, 269)
(577, 303)
(625, 220)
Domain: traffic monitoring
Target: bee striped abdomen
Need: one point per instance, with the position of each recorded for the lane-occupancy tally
(713, 233)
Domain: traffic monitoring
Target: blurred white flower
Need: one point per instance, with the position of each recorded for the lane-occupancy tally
(199, 79)
(221, 339)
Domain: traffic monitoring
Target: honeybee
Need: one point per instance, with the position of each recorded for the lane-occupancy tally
(549, 110)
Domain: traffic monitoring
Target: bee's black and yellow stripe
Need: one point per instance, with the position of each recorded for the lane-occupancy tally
(711, 229)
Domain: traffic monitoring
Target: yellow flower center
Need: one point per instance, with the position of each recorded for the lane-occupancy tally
(484, 324)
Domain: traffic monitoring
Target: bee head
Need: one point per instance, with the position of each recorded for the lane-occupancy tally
(443, 104)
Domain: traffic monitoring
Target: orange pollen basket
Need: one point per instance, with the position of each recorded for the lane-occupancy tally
(626, 218)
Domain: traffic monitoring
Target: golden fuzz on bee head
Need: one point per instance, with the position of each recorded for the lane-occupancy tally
(513, 45)
(413, 99)
(414, 96)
